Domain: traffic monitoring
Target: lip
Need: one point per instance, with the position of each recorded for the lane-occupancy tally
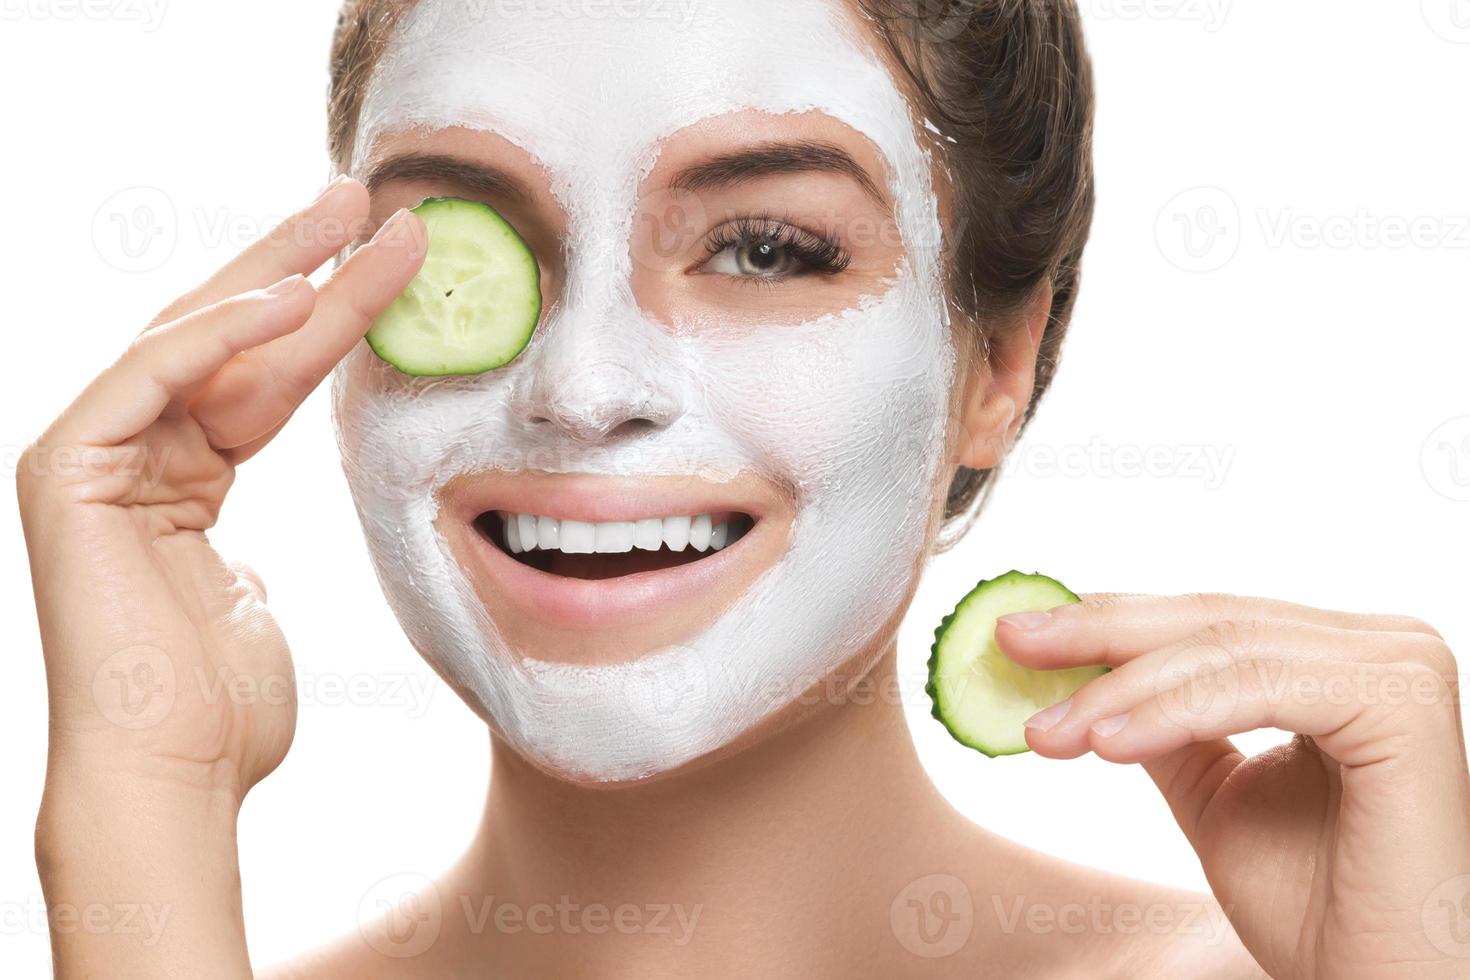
(601, 605)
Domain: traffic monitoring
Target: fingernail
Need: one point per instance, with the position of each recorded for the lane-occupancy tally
(1109, 727)
(1026, 620)
(287, 285)
(327, 191)
(1047, 719)
(391, 228)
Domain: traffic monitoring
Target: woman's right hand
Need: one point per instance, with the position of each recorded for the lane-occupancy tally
(167, 677)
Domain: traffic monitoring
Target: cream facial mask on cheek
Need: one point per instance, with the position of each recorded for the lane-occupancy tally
(849, 411)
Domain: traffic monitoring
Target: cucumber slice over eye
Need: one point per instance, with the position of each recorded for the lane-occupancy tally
(982, 696)
(474, 304)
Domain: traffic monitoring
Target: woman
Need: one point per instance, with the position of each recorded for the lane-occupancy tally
(806, 268)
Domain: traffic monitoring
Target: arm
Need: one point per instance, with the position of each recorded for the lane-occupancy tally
(170, 687)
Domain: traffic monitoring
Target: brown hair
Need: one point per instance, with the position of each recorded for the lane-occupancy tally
(1008, 82)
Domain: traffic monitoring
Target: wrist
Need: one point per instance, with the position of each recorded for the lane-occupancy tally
(83, 800)
(162, 852)
(108, 766)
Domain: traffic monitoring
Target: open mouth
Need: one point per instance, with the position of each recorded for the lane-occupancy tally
(611, 549)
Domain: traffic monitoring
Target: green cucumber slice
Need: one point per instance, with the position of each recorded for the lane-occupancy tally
(982, 696)
(474, 304)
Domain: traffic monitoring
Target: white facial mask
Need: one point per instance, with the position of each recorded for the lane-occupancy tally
(850, 410)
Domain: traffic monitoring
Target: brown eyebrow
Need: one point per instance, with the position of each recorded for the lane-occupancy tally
(480, 178)
(766, 159)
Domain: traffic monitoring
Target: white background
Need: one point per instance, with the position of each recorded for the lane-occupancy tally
(1295, 339)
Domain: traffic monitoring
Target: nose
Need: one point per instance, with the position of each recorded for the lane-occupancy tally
(603, 380)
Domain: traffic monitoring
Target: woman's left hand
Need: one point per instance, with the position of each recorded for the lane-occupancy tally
(1344, 853)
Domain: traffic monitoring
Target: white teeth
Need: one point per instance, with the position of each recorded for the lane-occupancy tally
(614, 537)
(676, 532)
(547, 529)
(699, 533)
(578, 538)
(648, 534)
(528, 532)
(530, 538)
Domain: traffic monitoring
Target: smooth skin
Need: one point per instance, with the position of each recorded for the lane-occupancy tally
(1324, 850)
(1329, 848)
(116, 498)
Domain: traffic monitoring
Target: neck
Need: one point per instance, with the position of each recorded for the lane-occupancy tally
(781, 841)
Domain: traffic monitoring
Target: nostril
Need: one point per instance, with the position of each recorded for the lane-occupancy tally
(632, 427)
(589, 408)
(600, 422)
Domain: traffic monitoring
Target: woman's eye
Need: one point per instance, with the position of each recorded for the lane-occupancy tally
(760, 258)
(769, 251)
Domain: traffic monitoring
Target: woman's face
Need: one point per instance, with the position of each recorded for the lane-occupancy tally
(743, 318)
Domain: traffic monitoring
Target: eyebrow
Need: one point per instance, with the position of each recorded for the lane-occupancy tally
(482, 178)
(770, 158)
(749, 163)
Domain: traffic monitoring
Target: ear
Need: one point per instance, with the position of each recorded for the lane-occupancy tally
(998, 391)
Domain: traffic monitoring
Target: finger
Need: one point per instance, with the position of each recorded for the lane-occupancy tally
(1359, 714)
(298, 245)
(1113, 629)
(1183, 672)
(256, 394)
(169, 363)
(242, 454)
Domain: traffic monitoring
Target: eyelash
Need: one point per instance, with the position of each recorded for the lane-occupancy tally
(818, 254)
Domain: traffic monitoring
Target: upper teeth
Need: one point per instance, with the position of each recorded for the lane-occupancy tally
(528, 532)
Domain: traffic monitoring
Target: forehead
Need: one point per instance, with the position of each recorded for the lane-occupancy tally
(590, 87)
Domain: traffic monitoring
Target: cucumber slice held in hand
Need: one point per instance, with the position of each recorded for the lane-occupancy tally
(474, 304)
(982, 696)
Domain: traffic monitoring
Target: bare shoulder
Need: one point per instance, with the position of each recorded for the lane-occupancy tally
(1207, 950)
(355, 956)
(1148, 930)
(337, 960)
(1068, 920)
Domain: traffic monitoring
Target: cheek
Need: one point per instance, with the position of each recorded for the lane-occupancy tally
(855, 405)
(400, 437)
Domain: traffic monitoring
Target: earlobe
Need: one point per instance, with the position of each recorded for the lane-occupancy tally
(1000, 389)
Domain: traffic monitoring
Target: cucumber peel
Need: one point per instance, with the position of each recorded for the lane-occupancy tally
(473, 305)
(982, 696)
